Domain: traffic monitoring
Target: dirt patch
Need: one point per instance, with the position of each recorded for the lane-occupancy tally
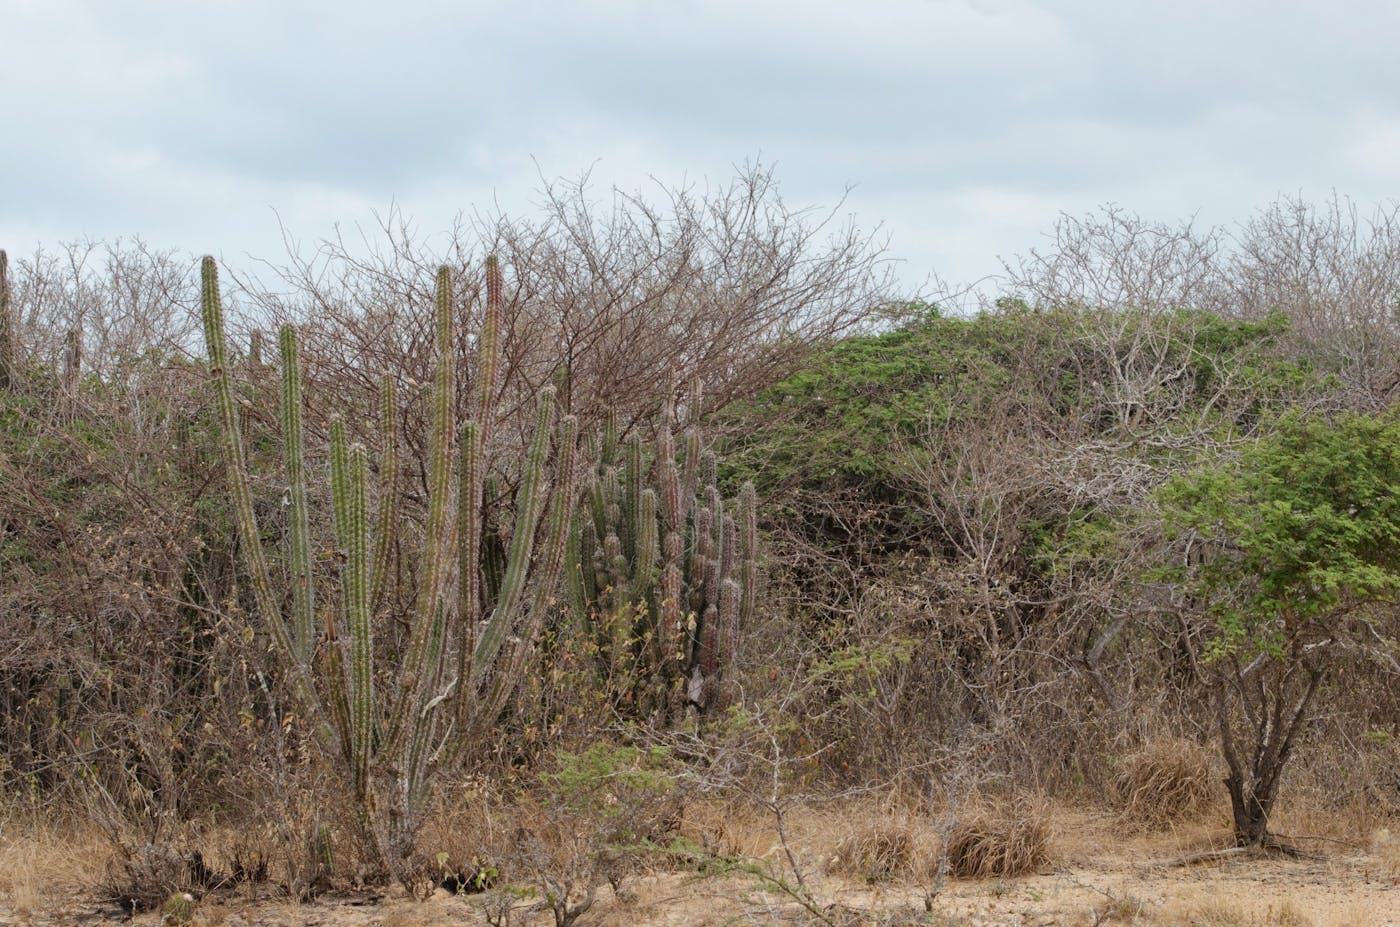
(1096, 875)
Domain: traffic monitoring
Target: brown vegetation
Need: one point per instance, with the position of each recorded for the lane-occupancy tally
(1169, 779)
(1004, 843)
(971, 594)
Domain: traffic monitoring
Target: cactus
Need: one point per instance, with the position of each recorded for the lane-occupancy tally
(9, 328)
(72, 361)
(303, 592)
(664, 574)
(461, 662)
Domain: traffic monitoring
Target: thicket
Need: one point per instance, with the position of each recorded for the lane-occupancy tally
(987, 522)
(1147, 494)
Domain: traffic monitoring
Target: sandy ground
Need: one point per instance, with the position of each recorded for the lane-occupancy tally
(1096, 875)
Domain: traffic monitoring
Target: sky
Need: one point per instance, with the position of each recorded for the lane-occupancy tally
(957, 130)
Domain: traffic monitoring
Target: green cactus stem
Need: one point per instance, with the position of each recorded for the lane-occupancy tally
(236, 474)
(303, 590)
(386, 530)
(9, 328)
(392, 727)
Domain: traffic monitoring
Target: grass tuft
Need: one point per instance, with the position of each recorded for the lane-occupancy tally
(984, 844)
(1167, 781)
(879, 853)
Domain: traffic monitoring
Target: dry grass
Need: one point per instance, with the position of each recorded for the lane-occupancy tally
(1169, 780)
(1385, 848)
(1003, 843)
(48, 877)
(42, 865)
(1219, 911)
(472, 830)
(728, 829)
(882, 852)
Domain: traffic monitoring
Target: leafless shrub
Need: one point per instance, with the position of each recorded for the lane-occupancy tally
(622, 295)
(1115, 259)
(123, 298)
(1331, 268)
(1334, 270)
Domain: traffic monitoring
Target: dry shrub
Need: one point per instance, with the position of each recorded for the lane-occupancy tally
(878, 853)
(984, 844)
(1167, 781)
(151, 874)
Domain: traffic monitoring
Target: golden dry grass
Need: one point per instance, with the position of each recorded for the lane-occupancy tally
(1168, 781)
(1385, 850)
(42, 865)
(1003, 842)
(881, 852)
(729, 829)
(1220, 911)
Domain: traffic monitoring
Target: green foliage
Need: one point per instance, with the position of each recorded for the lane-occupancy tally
(831, 427)
(832, 423)
(889, 444)
(1305, 526)
(608, 780)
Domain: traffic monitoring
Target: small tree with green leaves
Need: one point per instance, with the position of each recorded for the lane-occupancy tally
(1293, 551)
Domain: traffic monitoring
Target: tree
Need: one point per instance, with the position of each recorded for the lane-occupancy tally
(1293, 553)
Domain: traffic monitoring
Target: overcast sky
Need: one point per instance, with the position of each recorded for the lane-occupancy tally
(964, 126)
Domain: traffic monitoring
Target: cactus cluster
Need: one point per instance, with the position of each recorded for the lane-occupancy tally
(462, 658)
(663, 568)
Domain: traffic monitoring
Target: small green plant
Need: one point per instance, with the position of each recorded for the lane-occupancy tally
(178, 909)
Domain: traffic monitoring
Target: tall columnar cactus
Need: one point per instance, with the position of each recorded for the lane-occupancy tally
(663, 572)
(462, 657)
(9, 328)
(72, 361)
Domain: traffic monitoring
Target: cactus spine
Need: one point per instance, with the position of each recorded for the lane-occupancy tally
(655, 544)
(423, 713)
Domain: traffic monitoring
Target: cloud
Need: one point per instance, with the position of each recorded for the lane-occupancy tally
(964, 125)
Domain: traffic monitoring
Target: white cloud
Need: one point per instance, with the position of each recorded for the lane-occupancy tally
(965, 126)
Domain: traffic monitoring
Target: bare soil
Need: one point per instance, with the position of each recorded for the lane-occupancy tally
(1099, 872)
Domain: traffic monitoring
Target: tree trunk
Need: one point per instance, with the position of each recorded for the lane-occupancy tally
(1250, 811)
(1273, 715)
